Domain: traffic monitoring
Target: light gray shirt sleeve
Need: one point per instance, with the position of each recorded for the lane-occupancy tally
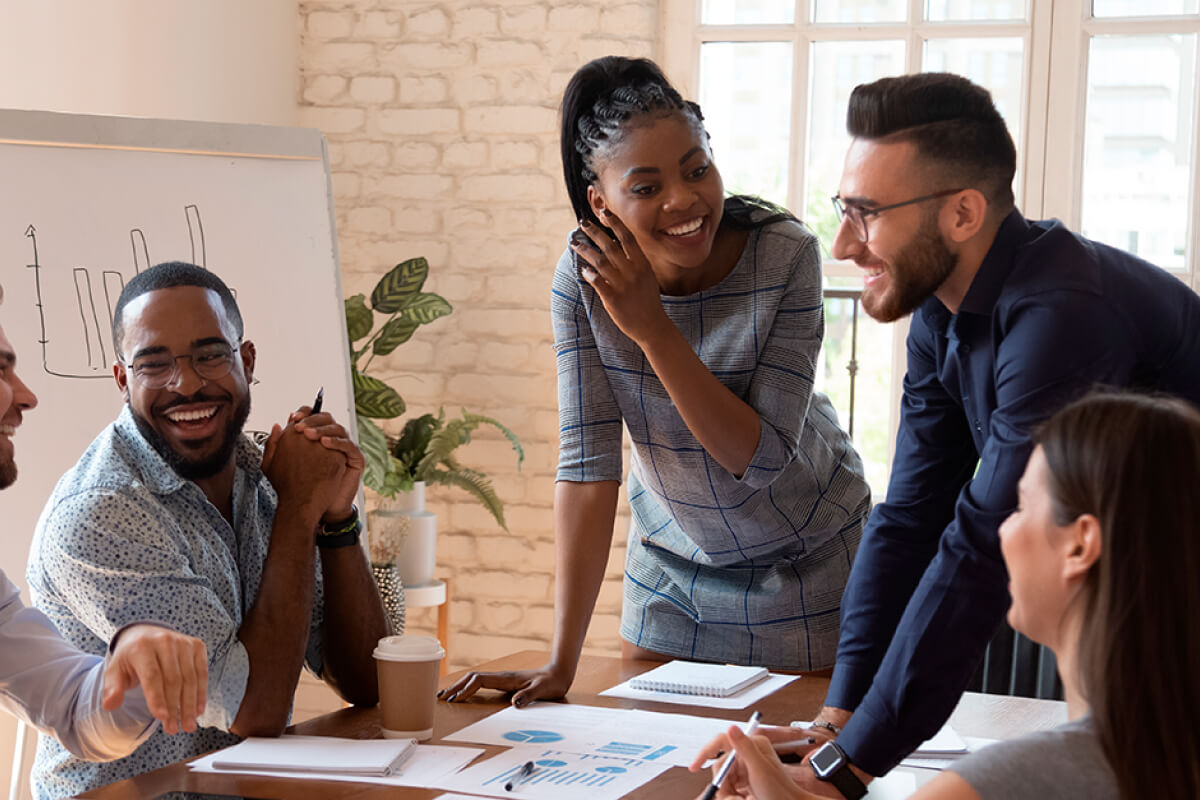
(57, 688)
(1066, 763)
(123, 564)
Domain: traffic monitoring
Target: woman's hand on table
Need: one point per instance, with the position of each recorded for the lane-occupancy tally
(527, 685)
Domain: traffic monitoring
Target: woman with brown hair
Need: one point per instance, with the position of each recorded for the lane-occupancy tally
(1102, 552)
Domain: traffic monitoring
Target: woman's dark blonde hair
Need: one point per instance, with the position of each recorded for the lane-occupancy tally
(1133, 462)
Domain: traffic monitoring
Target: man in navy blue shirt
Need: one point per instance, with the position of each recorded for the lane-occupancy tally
(1012, 319)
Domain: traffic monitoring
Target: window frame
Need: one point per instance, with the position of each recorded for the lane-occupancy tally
(1056, 37)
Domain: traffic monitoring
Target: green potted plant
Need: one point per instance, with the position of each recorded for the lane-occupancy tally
(399, 467)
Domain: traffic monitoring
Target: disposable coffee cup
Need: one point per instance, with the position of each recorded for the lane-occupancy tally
(408, 669)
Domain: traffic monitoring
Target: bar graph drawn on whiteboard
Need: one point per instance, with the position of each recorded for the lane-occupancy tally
(81, 314)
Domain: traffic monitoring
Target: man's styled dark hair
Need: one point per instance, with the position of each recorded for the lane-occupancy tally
(601, 99)
(165, 276)
(953, 123)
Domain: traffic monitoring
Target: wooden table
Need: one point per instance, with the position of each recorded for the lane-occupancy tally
(977, 715)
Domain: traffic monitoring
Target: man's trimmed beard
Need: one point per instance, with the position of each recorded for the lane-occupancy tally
(8, 473)
(916, 272)
(191, 469)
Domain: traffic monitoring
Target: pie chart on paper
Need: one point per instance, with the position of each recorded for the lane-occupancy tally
(533, 737)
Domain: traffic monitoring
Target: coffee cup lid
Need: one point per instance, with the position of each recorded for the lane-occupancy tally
(409, 648)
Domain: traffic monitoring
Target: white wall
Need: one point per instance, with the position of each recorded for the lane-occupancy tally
(213, 60)
(442, 121)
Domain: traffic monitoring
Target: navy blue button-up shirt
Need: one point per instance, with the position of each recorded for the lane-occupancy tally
(1048, 316)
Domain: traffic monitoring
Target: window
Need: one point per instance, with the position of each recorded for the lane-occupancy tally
(1100, 96)
(1126, 95)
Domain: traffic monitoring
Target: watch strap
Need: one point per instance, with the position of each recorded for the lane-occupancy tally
(342, 533)
(343, 526)
(344, 539)
(843, 778)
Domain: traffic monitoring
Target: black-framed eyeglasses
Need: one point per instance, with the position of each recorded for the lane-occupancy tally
(858, 214)
(211, 361)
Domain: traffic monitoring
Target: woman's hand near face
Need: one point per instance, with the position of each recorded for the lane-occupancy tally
(621, 275)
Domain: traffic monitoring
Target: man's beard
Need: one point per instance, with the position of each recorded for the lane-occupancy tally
(189, 468)
(8, 473)
(914, 274)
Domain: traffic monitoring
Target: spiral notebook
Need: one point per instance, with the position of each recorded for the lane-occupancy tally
(690, 677)
(366, 757)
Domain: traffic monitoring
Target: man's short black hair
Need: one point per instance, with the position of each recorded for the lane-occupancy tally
(953, 123)
(165, 276)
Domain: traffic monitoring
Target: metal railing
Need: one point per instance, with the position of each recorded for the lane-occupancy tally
(855, 297)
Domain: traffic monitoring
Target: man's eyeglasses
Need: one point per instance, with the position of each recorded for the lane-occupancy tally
(210, 361)
(858, 214)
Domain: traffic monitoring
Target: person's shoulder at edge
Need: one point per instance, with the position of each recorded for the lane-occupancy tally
(1067, 761)
(1050, 257)
(770, 221)
(567, 280)
(781, 248)
(107, 466)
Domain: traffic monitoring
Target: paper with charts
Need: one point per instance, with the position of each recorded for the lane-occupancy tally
(555, 774)
(672, 739)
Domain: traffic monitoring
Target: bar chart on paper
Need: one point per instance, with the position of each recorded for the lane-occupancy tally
(612, 732)
(555, 774)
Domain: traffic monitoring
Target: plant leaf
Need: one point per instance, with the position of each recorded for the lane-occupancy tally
(374, 398)
(395, 333)
(425, 307)
(395, 482)
(455, 433)
(474, 483)
(414, 439)
(373, 444)
(479, 419)
(359, 319)
(398, 286)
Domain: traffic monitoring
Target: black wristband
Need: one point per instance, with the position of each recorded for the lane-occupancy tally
(350, 523)
(343, 539)
(838, 771)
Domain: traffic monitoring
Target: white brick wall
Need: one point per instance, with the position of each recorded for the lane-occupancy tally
(442, 124)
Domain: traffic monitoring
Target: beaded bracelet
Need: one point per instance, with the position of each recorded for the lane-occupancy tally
(827, 726)
(342, 533)
(343, 539)
(344, 526)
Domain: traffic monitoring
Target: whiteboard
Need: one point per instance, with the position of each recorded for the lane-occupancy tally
(86, 202)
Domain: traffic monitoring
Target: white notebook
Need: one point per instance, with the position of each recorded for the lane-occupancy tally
(690, 677)
(367, 757)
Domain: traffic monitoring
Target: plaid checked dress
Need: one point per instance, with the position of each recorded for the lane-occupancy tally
(747, 570)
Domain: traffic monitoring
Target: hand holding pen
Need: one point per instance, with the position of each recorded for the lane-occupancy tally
(715, 786)
(759, 773)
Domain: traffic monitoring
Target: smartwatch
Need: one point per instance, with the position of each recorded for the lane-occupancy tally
(830, 764)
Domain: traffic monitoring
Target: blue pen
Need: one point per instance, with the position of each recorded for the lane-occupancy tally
(715, 786)
(317, 402)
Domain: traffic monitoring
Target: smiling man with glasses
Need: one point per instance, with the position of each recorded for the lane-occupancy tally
(1011, 319)
(173, 515)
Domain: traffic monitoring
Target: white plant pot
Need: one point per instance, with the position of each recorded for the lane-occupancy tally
(404, 517)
